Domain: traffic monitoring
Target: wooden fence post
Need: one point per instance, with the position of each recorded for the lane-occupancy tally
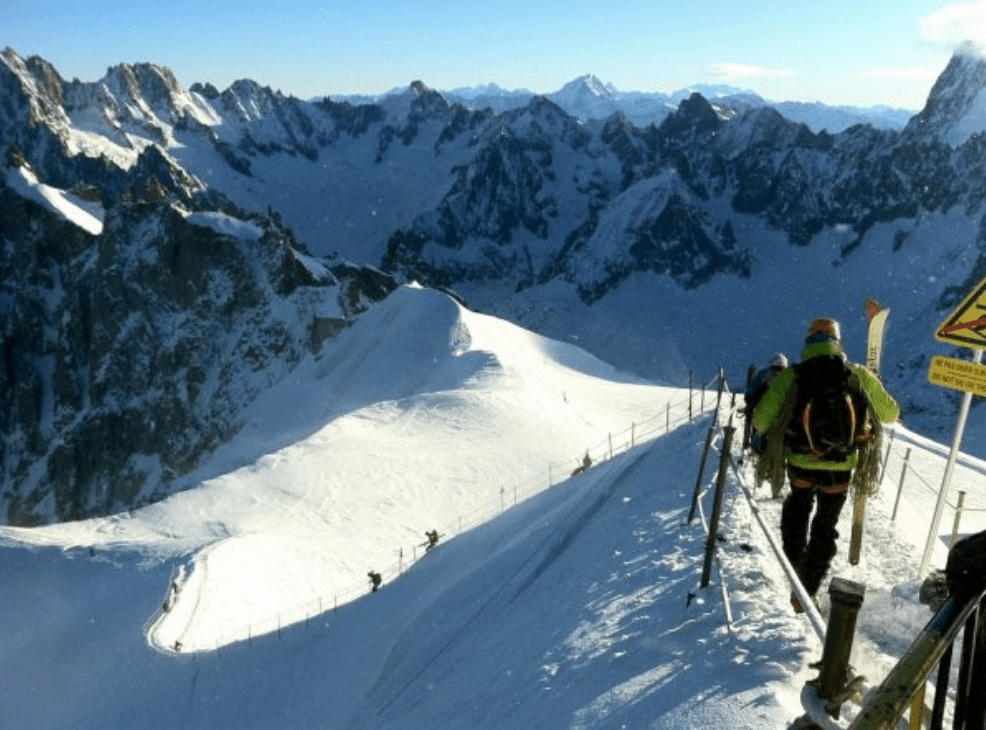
(721, 387)
(701, 473)
(690, 391)
(847, 598)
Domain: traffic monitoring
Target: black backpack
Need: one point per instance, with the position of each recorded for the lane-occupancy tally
(829, 421)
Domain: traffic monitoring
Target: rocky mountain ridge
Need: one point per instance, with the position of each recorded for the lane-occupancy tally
(131, 347)
(956, 107)
(588, 98)
(240, 229)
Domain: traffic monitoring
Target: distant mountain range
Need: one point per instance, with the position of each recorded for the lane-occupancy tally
(167, 253)
(589, 98)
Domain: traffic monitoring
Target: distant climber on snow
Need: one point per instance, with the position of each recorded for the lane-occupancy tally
(584, 466)
(755, 388)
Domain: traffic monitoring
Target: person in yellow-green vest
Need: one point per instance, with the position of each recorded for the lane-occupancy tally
(801, 443)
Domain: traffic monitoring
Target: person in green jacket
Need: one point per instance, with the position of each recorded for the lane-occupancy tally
(817, 482)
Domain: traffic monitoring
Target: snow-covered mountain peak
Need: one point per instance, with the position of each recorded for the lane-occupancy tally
(424, 341)
(248, 100)
(956, 106)
(34, 81)
(147, 96)
(143, 81)
(587, 98)
(589, 83)
(717, 91)
(417, 98)
(475, 92)
(132, 106)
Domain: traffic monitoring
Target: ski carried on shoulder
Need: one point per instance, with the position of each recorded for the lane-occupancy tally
(876, 315)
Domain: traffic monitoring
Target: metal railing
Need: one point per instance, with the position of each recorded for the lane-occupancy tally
(904, 687)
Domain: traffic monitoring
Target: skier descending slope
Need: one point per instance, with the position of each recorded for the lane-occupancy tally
(822, 421)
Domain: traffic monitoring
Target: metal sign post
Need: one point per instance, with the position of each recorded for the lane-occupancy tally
(966, 326)
(947, 478)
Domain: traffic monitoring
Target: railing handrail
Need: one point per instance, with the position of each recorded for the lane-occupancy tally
(890, 700)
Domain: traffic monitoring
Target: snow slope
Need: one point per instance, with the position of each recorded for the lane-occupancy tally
(87, 216)
(553, 600)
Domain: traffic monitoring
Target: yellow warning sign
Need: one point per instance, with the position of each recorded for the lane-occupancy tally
(966, 326)
(958, 374)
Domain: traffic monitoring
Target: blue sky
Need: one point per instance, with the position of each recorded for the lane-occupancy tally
(840, 52)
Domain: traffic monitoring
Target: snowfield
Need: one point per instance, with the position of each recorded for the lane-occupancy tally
(553, 600)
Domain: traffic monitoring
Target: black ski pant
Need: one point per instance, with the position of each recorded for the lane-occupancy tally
(810, 542)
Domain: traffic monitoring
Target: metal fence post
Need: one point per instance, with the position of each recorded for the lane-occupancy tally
(710, 544)
(900, 488)
(958, 518)
(886, 457)
(847, 598)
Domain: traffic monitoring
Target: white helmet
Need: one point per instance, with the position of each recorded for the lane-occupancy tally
(779, 360)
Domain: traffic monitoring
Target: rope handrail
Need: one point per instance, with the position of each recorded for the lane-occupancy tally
(930, 489)
(968, 461)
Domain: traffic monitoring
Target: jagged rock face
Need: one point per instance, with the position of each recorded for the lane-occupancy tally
(128, 356)
(505, 201)
(506, 217)
(32, 102)
(676, 243)
(956, 106)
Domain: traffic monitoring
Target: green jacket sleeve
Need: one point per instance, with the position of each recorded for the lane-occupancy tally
(884, 405)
